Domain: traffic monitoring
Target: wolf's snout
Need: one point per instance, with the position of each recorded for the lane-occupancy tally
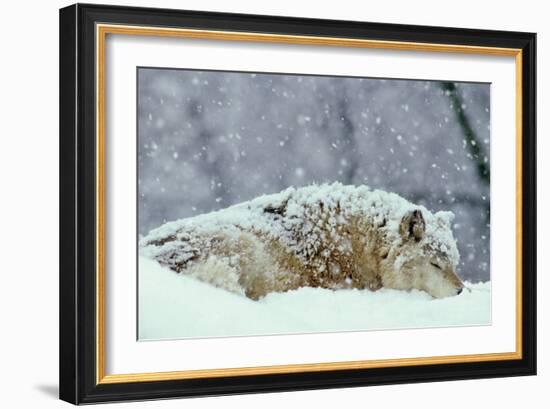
(459, 291)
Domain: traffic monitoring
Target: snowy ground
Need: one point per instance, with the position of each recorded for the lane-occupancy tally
(175, 306)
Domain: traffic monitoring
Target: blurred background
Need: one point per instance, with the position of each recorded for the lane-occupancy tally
(210, 139)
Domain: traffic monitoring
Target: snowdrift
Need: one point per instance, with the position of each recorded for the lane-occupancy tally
(173, 305)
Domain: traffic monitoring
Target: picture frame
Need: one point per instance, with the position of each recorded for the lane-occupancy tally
(84, 191)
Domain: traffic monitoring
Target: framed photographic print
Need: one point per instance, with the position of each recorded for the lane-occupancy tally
(257, 203)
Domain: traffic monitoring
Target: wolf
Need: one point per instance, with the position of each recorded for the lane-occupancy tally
(330, 236)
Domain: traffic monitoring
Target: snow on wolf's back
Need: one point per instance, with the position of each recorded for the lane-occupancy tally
(331, 236)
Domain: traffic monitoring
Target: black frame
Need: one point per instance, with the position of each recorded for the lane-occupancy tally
(78, 217)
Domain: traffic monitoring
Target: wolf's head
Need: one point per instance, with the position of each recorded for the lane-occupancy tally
(424, 257)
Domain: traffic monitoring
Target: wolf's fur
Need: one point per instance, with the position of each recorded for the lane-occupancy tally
(329, 236)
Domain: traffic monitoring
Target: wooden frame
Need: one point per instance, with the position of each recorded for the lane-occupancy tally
(83, 29)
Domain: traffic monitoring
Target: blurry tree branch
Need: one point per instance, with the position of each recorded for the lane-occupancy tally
(347, 131)
(472, 141)
(211, 163)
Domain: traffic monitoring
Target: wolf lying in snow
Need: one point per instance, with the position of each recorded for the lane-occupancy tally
(329, 236)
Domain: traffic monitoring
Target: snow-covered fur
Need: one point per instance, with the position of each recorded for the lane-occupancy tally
(331, 236)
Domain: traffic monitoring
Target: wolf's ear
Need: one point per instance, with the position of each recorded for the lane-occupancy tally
(413, 226)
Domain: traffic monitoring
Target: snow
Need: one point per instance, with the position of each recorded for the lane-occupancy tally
(315, 139)
(174, 305)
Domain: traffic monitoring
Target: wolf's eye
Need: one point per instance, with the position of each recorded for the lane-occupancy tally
(436, 265)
